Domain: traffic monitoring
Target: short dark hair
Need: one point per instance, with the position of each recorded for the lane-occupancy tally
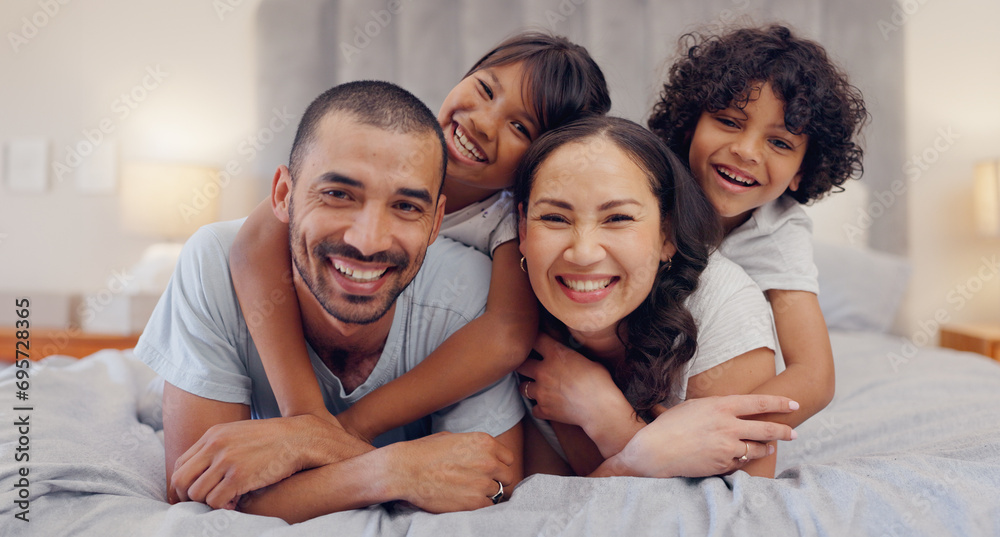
(717, 71)
(562, 80)
(370, 102)
(660, 336)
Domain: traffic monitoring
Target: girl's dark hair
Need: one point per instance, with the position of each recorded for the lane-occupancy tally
(560, 77)
(720, 70)
(660, 336)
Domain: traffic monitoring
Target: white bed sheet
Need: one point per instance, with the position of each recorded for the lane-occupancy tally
(909, 446)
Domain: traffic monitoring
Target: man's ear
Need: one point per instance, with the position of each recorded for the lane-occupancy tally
(281, 193)
(438, 218)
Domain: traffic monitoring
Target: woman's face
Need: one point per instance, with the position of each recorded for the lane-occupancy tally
(591, 236)
(488, 124)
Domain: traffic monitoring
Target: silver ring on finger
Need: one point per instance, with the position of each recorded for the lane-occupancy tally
(525, 390)
(496, 497)
(745, 456)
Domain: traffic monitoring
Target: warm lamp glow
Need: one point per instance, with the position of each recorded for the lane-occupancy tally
(168, 201)
(987, 198)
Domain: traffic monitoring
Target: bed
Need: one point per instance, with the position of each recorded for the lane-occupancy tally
(910, 445)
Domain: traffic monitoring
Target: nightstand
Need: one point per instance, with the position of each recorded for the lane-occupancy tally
(983, 338)
(69, 342)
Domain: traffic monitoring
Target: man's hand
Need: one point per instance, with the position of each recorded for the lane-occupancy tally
(702, 437)
(234, 458)
(448, 472)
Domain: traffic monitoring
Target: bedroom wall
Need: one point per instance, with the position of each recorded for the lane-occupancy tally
(67, 76)
(953, 121)
(189, 69)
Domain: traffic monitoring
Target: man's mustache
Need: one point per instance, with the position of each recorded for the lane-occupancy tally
(339, 249)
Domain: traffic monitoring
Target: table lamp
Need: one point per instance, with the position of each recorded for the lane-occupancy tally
(987, 198)
(167, 202)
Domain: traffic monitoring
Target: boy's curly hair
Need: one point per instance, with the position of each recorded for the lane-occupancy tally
(719, 70)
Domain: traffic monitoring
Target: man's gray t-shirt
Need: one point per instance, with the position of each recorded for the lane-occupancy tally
(197, 338)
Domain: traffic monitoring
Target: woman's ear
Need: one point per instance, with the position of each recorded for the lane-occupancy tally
(281, 193)
(668, 249)
(522, 226)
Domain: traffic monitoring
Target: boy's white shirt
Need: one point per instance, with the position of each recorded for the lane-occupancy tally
(774, 247)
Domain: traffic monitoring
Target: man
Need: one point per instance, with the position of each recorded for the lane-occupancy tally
(364, 189)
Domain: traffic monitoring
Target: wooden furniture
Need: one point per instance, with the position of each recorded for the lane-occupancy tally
(983, 338)
(69, 342)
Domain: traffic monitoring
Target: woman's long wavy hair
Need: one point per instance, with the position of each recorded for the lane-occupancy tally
(716, 71)
(660, 336)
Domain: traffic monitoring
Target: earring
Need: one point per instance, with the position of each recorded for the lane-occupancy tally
(525, 269)
(667, 264)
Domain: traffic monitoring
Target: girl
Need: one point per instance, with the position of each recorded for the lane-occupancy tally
(621, 264)
(527, 85)
(767, 122)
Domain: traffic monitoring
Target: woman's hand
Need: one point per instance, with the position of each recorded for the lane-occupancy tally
(702, 437)
(566, 386)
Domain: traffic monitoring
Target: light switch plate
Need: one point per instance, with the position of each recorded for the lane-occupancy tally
(26, 164)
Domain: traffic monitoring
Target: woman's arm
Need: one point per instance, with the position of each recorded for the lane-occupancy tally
(475, 356)
(702, 437)
(739, 375)
(805, 346)
(264, 288)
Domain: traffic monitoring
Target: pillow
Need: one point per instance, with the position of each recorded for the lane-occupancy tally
(859, 289)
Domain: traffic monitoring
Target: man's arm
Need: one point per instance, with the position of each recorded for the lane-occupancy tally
(215, 453)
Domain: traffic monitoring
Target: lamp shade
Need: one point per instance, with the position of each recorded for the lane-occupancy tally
(987, 198)
(168, 201)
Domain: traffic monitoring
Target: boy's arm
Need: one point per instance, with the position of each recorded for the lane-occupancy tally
(739, 375)
(805, 345)
(264, 288)
(478, 354)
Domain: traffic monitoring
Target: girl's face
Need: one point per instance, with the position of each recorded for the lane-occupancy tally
(592, 237)
(746, 158)
(488, 124)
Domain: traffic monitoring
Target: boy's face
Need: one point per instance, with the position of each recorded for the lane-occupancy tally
(746, 158)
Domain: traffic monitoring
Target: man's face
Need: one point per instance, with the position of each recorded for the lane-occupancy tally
(362, 212)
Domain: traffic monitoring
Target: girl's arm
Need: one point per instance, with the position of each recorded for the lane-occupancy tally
(263, 283)
(805, 345)
(475, 356)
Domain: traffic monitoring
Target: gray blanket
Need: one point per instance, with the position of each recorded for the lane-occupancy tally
(909, 446)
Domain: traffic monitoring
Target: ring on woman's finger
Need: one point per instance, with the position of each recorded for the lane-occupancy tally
(496, 497)
(525, 390)
(745, 457)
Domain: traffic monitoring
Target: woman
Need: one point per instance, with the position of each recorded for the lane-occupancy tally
(617, 240)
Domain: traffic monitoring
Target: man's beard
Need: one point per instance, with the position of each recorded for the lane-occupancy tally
(366, 308)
